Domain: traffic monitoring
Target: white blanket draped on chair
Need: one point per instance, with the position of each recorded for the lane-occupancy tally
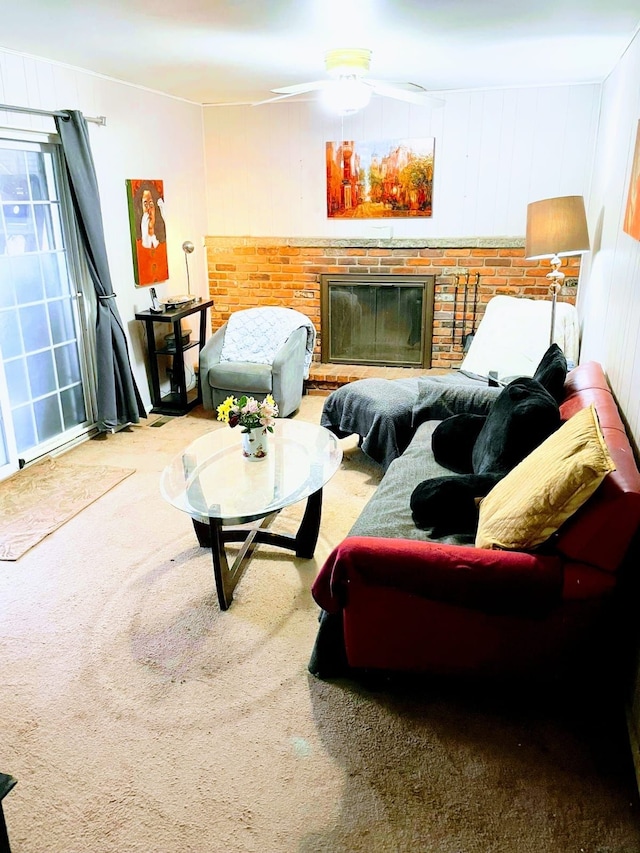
(513, 336)
(256, 335)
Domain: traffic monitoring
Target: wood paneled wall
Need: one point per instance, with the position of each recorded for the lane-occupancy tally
(495, 151)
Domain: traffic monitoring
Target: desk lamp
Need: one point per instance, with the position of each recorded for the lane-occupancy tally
(556, 228)
(187, 248)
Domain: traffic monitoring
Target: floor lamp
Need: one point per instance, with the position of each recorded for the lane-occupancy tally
(556, 228)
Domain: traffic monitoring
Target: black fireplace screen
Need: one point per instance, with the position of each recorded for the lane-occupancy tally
(383, 320)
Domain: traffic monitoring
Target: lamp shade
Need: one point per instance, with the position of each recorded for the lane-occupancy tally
(556, 226)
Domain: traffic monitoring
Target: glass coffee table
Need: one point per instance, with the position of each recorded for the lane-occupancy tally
(220, 489)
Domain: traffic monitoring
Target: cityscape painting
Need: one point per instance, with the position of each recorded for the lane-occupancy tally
(376, 180)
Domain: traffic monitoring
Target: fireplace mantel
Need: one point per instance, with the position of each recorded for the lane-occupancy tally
(372, 243)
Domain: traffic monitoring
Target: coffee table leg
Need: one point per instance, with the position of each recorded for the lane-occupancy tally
(307, 535)
(226, 576)
(203, 533)
(212, 536)
(221, 573)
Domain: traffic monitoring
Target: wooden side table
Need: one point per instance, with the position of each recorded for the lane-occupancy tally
(178, 401)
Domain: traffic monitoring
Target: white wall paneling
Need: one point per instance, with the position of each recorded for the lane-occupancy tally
(609, 295)
(495, 151)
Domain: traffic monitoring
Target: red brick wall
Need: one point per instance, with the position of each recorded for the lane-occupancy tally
(245, 272)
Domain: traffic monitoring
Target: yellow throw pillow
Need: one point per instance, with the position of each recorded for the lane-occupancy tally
(548, 486)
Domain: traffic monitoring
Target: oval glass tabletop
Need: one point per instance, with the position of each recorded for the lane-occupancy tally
(212, 479)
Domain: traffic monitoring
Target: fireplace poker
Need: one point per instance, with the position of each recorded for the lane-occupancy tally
(464, 311)
(469, 338)
(455, 308)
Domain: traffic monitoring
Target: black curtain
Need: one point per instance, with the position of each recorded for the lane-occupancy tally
(119, 400)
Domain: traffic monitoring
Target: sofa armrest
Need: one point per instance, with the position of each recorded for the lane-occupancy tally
(507, 582)
(210, 352)
(288, 370)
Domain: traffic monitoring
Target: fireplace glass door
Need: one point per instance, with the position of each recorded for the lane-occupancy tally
(379, 320)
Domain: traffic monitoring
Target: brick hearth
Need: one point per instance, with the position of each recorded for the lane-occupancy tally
(326, 377)
(245, 272)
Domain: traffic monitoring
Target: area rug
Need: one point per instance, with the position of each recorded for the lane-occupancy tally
(39, 499)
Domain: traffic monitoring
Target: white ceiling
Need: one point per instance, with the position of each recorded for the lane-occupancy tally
(213, 51)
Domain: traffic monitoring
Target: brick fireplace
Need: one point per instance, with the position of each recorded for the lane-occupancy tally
(245, 272)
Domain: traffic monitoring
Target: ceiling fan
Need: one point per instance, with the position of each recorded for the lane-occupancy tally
(348, 88)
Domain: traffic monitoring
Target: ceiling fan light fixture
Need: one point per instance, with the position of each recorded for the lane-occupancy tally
(349, 88)
(347, 62)
(346, 95)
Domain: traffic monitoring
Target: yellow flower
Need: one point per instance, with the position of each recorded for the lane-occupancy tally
(269, 399)
(224, 409)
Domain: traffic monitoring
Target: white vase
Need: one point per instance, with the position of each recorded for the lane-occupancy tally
(255, 444)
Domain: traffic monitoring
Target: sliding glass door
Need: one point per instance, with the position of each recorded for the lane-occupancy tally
(8, 453)
(45, 393)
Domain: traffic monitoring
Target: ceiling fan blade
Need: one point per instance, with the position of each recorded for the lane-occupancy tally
(300, 88)
(396, 84)
(271, 100)
(415, 95)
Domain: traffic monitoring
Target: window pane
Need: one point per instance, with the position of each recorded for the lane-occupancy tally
(24, 428)
(37, 175)
(68, 365)
(4, 456)
(56, 224)
(10, 335)
(73, 410)
(7, 291)
(61, 318)
(54, 272)
(50, 178)
(42, 376)
(27, 279)
(48, 235)
(17, 382)
(47, 414)
(35, 327)
(14, 186)
(20, 228)
(13, 163)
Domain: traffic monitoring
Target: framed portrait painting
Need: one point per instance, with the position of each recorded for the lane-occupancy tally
(631, 224)
(378, 180)
(145, 199)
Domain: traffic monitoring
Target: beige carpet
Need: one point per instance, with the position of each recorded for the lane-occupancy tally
(37, 500)
(138, 718)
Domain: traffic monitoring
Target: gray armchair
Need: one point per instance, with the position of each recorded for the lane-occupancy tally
(279, 368)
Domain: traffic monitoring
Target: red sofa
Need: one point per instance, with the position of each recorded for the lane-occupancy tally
(400, 603)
